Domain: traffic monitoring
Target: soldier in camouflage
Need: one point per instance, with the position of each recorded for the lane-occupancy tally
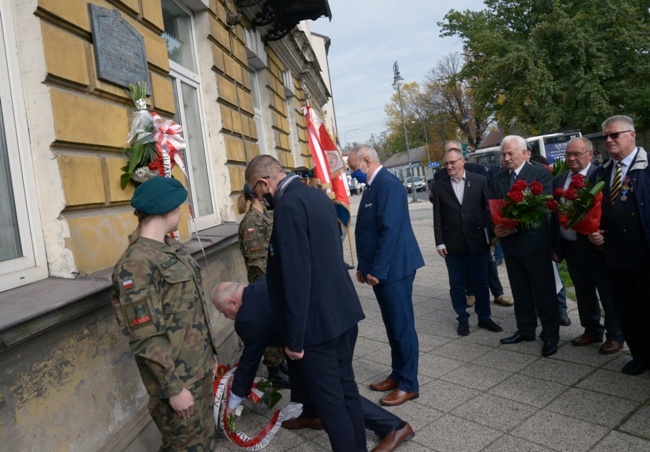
(254, 235)
(160, 306)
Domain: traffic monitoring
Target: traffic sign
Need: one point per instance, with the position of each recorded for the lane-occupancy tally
(434, 164)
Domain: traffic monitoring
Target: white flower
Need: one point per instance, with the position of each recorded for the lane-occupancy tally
(143, 174)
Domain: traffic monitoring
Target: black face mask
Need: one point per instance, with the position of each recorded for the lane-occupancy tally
(268, 201)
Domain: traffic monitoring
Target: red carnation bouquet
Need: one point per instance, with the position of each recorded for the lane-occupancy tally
(523, 206)
(579, 206)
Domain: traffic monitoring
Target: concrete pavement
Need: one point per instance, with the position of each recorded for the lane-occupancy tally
(479, 395)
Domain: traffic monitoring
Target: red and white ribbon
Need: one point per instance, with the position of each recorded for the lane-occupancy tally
(222, 396)
(169, 143)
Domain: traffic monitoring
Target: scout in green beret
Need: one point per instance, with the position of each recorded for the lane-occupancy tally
(160, 306)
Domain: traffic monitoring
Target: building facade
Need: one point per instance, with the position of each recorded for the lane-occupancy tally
(234, 74)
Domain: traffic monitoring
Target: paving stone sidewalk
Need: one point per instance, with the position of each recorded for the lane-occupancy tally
(479, 395)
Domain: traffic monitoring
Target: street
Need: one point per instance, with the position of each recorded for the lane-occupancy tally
(479, 395)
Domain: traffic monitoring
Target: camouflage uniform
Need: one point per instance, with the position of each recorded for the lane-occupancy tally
(254, 236)
(159, 303)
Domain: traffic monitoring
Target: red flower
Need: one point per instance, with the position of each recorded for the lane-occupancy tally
(516, 196)
(536, 188)
(552, 204)
(571, 194)
(519, 185)
(558, 192)
(577, 181)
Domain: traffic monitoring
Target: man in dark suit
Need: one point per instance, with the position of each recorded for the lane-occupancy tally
(250, 308)
(625, 233)
(462, 232)
(585, 262)
(528, 253)
(313, 297)
(388, 258)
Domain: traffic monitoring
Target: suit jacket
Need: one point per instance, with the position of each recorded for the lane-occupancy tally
(255, 324)
(525, 242)
(457, 224)
(310, 289)
(386, 245)
(585, 245)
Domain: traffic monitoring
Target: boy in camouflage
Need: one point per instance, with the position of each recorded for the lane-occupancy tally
(160, 306)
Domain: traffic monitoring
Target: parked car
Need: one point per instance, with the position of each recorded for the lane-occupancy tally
(417, 183)
(356, 188)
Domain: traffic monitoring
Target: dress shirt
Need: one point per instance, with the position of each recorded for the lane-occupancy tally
(626, 163)
(371, 178)
(459, 187)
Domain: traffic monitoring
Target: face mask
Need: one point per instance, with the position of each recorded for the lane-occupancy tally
(268, 201)
(359, 175)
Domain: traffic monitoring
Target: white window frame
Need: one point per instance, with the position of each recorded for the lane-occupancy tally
(32, 266)
(259, 118)
(178, 74)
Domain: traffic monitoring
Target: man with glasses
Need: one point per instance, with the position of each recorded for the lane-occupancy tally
(462, 232)
(528, 253)
(586, 263)
(313, 297)
(625, 234)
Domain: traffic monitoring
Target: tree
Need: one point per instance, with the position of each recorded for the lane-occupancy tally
(412, 104)
(548, 64)
(451, 97)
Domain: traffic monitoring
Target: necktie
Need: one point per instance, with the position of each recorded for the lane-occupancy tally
(513, 176)
(616, 184)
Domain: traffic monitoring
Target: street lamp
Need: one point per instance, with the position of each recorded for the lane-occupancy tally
(345, 135)
(398, 81)
(426, 143)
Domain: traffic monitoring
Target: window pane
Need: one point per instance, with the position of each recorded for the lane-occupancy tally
(9, 236)
(195, 151)
(178, 34)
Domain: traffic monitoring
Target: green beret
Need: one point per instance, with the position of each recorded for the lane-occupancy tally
(159, 195)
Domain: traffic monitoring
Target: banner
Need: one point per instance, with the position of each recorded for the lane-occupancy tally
(329, 166)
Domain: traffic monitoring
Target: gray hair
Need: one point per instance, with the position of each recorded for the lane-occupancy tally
(458, 144)
(456, 151)
(222, 292)
(629, 122)
(262, 166)
(365, 150)
(586, 141)
(521, 143)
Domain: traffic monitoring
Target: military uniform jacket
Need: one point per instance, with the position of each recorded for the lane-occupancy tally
(254, 235)
(160, 306)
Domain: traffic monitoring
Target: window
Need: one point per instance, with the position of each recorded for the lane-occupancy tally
(187, 97)
(259, 122)
(22, 258)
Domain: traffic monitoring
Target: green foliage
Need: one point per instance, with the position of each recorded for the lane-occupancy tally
(546, 64)
(271, 394)
(559, 166)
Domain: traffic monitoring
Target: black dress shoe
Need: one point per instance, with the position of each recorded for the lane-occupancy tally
(549, 348)
(635, 367)
(564, 319)
(516, 338)
(278, 377)
(489, 325)
(463, 328)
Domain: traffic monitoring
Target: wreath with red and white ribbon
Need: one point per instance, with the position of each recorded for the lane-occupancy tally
(222, 388)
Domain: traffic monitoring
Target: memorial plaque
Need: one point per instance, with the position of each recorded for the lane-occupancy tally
(119, 49)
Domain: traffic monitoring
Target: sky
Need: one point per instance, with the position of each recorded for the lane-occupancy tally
(367, 37)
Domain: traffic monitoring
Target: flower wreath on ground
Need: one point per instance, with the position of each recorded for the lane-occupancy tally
(226, 422)
(155, 145)
(579, 206)
(523, 206)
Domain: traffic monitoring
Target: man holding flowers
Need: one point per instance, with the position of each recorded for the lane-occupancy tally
(585, 262)
(527, 245)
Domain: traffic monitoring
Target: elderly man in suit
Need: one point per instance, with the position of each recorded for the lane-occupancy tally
(462, 232)
(528, 253)
(313, 297)
(625, 234)
(250, 308)
(388, 259)
(585, 262)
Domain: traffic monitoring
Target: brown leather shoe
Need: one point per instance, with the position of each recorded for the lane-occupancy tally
(394, 439)
(503, 300)
(610, 347)
(585, 339)
(398, 397)
(302, 422)
(387, 385)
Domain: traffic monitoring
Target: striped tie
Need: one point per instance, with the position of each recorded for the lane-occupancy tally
(616, 184)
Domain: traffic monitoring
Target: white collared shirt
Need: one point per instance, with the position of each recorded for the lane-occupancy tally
(372, 177)
(459, 187)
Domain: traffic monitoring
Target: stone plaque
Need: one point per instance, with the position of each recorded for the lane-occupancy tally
(119, 49)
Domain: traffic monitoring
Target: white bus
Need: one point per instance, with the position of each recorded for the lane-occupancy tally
(551, 146)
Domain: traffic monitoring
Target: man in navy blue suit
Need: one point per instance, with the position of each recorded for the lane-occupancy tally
(250, 308)
(313, 297)
(388, 259)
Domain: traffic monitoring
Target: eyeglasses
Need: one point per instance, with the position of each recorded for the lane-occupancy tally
(256, 184)
(452, 162)
(614, 135)
(574, 154)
